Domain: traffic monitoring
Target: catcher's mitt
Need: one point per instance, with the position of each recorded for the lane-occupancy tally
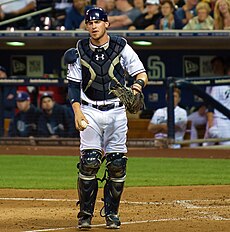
(133, 103)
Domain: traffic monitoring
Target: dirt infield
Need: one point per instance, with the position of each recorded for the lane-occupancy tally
(147, 209)
(174, 209)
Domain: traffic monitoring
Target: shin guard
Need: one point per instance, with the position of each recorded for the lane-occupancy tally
(87, 192)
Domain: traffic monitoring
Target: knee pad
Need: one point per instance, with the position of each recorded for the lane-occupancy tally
(89, 164)
(116, 166)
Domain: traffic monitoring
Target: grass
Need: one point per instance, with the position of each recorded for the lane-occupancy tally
(59, 172)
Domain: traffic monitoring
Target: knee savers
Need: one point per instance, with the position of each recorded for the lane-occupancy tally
(90, 163)
(116, 166)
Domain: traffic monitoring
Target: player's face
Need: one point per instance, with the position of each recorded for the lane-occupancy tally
(97, 31)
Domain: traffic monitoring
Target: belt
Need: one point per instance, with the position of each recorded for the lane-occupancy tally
(103, 107)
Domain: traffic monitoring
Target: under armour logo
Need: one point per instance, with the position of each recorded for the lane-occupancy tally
(100, 57)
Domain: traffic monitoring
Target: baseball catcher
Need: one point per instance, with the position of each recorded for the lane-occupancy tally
(96, 80)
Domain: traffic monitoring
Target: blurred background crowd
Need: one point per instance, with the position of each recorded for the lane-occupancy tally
(123, 14)
(45, 111)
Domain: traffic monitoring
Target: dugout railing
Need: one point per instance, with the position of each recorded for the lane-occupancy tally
(193, 83)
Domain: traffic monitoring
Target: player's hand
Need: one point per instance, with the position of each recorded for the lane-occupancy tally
(81, 122)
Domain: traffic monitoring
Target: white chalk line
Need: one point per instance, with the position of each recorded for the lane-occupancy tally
(189, 204)
(218, 218)
(123, 223)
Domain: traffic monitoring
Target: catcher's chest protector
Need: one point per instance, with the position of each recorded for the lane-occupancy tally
(101, 69)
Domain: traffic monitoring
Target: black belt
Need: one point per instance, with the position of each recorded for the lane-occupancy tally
(103, 107)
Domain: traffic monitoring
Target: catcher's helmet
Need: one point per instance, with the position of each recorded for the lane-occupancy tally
(96, 13)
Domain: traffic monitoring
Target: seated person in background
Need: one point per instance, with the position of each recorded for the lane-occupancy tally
(158, 124)
(187, 11)
(222, 15)
(123, 16)
(140, 4)
(147, 21)
(55, 120)
(25, 121)
(110, 5)
(75, 14)
(218, 125)
(12, 9)
(198, 118)
(203, 21)
(169, 19)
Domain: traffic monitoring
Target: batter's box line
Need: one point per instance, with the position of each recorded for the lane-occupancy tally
(123, 223)
(189, 204)
(212, 216)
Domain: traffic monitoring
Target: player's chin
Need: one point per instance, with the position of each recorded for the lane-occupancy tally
(95, 36)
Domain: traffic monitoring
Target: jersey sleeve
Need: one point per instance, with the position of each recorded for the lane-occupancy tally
(131, 62)
(159, 117)
(74, 72)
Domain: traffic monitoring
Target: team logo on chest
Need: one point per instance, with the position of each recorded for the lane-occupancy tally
(99, 54)
(99, 57)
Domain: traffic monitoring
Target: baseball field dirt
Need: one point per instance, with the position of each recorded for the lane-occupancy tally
(174, 209)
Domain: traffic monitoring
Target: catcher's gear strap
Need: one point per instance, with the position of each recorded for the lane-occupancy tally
(90, 162)
(74, 92)
(87, 192)
(116, 166)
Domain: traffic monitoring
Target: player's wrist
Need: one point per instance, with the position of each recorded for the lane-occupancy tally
(140, 82)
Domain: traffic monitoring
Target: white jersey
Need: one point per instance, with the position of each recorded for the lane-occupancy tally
(220, 122)
(161, 116)
(129, 61)
(222, 95)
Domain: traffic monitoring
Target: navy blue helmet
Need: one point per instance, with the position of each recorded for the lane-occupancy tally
(96, 13)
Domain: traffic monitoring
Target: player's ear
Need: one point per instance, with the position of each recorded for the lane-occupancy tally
(107, 25)
(86, 27)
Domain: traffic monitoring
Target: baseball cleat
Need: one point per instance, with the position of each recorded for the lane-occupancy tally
(112, 222)
(84, 222)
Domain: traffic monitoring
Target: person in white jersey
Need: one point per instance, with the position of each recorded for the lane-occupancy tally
(101, 62)
(218, 125)
(158, 123)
